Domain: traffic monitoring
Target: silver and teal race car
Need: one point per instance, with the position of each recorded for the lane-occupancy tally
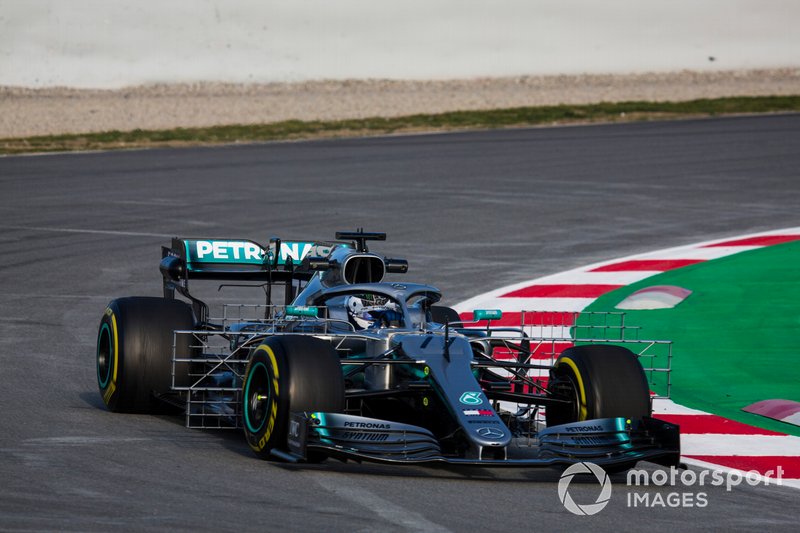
(354, 367)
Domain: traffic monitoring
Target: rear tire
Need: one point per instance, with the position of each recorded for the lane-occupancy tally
(286, 374)
(603, 381)
(134, 351)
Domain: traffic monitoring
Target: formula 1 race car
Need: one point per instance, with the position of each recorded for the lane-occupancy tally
(354, 367)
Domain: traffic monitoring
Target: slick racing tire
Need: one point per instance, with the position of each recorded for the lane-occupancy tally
(286, 374)
(602, 381)
(134, 351)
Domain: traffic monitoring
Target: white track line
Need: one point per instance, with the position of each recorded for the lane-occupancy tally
(749, 445)
(389, 511)
(90, 231)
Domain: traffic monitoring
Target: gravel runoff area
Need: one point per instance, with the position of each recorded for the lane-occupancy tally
(29, 112)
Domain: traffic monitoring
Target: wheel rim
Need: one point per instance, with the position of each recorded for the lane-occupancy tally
(104, 356)
(565, 388)
(257, 395)
(575, 396)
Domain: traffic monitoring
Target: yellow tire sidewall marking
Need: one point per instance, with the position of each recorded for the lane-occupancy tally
(583, 411)
(112, 386)
(116, 347)
(273, 408)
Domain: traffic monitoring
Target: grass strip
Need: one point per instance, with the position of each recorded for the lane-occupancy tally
(455, 120)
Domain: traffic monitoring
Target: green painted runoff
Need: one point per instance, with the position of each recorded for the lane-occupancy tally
(736, 337)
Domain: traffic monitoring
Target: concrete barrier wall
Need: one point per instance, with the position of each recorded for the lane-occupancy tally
(118, 43)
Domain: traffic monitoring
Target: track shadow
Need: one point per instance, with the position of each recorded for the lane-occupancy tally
(93, 399)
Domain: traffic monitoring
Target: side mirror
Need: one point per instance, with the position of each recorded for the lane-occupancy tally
(486, 314)
(302, 310)
(396, 266)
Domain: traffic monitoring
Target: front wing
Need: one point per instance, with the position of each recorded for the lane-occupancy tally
(608, 442)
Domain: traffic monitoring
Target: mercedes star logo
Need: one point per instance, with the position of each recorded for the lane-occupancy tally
(490, 433)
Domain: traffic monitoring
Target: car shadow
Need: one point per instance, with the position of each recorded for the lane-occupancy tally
(233, 441)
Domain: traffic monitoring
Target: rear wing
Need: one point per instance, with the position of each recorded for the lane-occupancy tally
(238, 259)
(287, 263)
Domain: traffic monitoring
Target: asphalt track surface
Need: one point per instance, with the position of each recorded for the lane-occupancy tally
(471, 212)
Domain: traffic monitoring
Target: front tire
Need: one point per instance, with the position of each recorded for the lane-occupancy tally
(134, 351)
(601, 381)
(286, 374)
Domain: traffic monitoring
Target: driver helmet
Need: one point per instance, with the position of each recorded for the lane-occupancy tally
(371, 311)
